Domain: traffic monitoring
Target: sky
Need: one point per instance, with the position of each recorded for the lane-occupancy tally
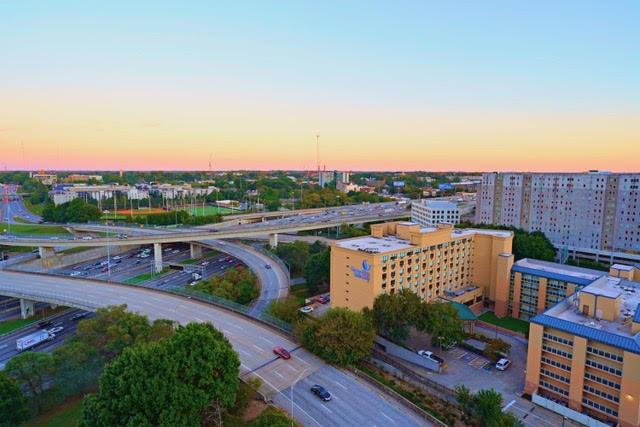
(402, 85)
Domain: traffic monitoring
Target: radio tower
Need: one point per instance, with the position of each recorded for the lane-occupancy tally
(318, 154)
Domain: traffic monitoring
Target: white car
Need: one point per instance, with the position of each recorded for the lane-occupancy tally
(117, 257)
(204, 263)
(429, 355)
(503, 364)
(306, 310)
(87, 238)
(55, 330)
(75, 273)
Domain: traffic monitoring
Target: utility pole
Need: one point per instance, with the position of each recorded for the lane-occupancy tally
(318, 156)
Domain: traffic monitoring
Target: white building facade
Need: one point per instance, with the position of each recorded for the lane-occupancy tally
(430, 213)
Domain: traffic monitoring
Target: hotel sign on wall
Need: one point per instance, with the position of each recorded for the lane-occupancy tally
(363, 273)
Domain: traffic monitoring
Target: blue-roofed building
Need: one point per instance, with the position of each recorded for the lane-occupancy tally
(584, 351)
(537, 285)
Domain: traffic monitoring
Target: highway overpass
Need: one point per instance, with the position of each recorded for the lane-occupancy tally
(355, 402)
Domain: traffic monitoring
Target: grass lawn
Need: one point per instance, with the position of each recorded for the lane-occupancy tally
(36, 209)
(301, 292)
(510, 323)
(34, 229)
(7, 326)
(67, 415)
(145, 276)
(211, 210)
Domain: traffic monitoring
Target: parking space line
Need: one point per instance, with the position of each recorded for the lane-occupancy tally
(388, 417)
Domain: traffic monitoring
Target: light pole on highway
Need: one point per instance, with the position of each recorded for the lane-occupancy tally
(292, 386)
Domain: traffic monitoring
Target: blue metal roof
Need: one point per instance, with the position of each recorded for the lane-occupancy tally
(636, 316)
(550, 275)
(619, 341)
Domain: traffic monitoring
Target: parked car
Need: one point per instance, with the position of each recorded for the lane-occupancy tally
(282, 353)
(307, 309)
(429, 355)
(321, 392)
(503, 364)
(322, 299)
(267, 266)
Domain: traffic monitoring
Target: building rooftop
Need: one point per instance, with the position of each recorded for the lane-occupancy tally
(438, 204)
(622, 267)
(392, 243)
(552, 270)
(568, 316)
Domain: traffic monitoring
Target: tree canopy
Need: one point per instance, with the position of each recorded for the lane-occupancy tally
(485, 407)
(172, 382)
(76, 211)
(340, 336)
(237, 284)
(13, 403)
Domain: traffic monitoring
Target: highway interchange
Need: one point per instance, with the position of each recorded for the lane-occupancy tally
(356, 405)
(355, 402)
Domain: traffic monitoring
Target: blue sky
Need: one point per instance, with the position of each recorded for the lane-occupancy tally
(442, 58)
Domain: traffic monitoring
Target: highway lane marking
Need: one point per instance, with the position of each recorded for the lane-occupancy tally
(388, 417)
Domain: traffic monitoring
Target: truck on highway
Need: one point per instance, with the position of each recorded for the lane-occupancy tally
(32, 340)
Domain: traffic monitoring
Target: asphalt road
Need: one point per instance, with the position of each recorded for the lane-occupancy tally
(15, 207)
(252, 340)
(8, 342)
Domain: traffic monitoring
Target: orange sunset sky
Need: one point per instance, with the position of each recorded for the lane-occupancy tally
(410, 87)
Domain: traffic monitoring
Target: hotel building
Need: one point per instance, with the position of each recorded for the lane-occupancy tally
(584, 352)
(586, 213)
(440, 262)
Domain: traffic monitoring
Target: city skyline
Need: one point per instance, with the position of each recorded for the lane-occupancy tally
(492, 87)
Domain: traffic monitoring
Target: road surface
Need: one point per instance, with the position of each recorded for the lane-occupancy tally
(252, 340)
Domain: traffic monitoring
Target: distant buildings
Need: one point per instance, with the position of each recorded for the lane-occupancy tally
(326, 177)
(588, 212)
(83, 178)
(64, 193)
(44, 178)
(584, 352)
(430, 213)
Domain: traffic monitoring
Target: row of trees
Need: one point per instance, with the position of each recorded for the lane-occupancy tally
(394, 314)
(310, 261)
(175, 217)
(149, 373)
(525, 244)
(238, 284)
(77, 211)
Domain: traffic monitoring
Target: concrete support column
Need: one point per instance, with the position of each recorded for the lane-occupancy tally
(157, 257)
(196, 251)
(27, 308)
(46, 256)
(273, 240)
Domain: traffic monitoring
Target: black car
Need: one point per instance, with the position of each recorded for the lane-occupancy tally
(321, 392)
(45, 324)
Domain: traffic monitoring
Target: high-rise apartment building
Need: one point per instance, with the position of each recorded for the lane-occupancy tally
(464, 266)
(593, 211)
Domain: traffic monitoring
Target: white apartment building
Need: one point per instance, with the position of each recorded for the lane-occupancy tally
(593, 210)
(430, 213)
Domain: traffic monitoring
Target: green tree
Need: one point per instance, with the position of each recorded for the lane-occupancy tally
(441, 321)
(13, 403)
(340, 336)
(114, 328)
(295, 254)
(173, 382)
(237, 284)
(393, 314)
(31, 370)
(317, 270)
(272, 417)
(285, 309)
(485, 407)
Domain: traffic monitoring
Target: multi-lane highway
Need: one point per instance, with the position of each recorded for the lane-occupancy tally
(357, 404)
(15, 207)
(64, 320)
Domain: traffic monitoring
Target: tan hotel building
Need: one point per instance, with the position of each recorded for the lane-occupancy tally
(584, 352)
(440, 262)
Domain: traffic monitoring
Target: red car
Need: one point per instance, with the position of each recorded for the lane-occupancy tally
(282, 353)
